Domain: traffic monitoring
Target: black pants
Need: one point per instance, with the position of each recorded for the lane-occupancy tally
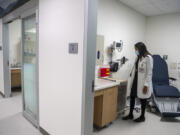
(143, 106)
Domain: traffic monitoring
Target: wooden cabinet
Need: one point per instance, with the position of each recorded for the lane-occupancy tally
(105, 106)
(15, 78)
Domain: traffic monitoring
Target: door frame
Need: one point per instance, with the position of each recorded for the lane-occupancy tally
(24, 11)
(89, 62)
(6, 67)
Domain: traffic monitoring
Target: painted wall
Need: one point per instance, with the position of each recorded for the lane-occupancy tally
(15, 43)
(162, 38)
(1, 61)
(118, 22)
(60, 73)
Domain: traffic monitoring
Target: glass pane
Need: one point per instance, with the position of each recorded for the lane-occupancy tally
(29, 65)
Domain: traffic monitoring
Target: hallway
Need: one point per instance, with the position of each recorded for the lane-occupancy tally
(11, 120)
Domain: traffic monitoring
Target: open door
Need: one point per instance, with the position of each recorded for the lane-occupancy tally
(29, 68)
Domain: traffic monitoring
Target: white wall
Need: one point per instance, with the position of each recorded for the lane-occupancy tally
(1, 61)
(118, 22)
(163, 37)
(60, 73)
(15, 42)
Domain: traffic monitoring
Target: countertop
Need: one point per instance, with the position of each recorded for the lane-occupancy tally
(103, 84)
(15, 68)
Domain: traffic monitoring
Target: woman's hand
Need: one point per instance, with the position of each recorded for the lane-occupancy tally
(145, 90)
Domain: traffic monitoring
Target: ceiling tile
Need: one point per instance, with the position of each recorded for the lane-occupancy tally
(153, 7)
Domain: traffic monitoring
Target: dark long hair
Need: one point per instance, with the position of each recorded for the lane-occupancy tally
(143, 52)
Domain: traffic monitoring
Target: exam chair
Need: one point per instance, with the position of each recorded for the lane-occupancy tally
(166, 97)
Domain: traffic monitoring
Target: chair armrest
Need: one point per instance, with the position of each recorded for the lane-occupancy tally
(173, 79)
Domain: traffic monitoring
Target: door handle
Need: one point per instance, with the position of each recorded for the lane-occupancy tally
(8, 63)
(93, 85)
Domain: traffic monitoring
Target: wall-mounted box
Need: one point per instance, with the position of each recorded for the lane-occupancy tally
(100, 50)
(73, 48)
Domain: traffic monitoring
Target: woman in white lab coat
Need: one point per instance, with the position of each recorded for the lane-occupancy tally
(142, 80)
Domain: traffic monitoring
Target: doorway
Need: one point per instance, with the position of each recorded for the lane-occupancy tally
(21, 62)
(15, 56)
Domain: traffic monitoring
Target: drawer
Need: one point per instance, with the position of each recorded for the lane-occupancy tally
(98, 93)
(16, 71)
(111, 95)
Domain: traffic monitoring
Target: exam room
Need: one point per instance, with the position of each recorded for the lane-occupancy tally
(64, 93)
(120, 25)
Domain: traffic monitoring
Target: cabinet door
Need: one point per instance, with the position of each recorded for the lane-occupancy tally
(16, 78)
(98, 109)
(110, 105)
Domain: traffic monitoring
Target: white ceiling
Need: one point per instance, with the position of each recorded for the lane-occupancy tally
(154, 7)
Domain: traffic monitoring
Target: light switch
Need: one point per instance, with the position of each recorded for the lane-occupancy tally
(73, 48)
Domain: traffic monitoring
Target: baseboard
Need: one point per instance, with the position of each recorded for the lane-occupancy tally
(16, 87)
(2, 94)
(44, 132)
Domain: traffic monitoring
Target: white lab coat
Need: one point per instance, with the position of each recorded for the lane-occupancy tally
(145, 67)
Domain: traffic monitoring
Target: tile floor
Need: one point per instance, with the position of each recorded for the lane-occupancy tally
(13, 123)
(11, 120)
